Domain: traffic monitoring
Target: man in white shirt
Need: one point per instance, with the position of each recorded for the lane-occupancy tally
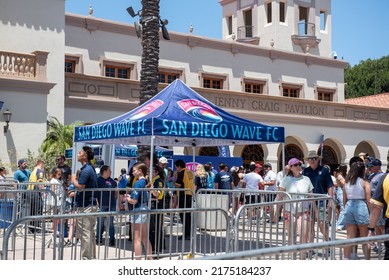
(270, 183)
(253, 181)
(269, 178)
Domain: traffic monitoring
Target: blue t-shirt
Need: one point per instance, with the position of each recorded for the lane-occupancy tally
(224, 180)
(123, 181)
(320, 178)
(88, 178)
(374, 180)
(141, 196)
(22, 176)
(106, 198)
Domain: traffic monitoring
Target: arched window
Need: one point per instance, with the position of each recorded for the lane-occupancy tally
(252, 153)
(209, 151)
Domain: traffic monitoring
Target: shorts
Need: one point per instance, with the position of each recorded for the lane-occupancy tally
(356, 212)
(139, 218)
(269, 197)
(323, 214)
(250, 199)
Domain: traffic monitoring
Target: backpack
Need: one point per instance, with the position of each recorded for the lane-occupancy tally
(188, 181)
(211, 178)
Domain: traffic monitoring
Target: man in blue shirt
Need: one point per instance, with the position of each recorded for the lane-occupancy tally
(223, 179)
(322, 184)
(85, 202)
(22, 174)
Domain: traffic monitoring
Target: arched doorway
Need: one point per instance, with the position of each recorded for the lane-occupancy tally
(209, 151)
(364, 147)
(252, 153)
(329, 157)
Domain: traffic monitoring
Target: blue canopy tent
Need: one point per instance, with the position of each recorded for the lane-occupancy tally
(178, 116)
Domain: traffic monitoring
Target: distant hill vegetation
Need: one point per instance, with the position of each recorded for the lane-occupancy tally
(367, 78)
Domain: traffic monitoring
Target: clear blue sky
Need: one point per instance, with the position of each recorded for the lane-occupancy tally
(359, 27)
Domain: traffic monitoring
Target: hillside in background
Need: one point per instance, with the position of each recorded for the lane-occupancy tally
(367, 78)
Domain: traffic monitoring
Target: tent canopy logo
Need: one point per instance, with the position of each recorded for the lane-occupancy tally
(199, 110)
(146, 110)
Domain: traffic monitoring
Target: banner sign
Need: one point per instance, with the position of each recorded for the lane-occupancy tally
(179, 112)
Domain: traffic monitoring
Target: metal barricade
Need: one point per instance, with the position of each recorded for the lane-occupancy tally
(20, 202)
(34, 246)
(301, 222)
(293, 252)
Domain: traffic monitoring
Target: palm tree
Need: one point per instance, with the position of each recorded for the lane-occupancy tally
(149, 77)
(58, 137)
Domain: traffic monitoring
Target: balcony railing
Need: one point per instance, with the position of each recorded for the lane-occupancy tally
(17, 64)
(245, 32)
(306, 29)
(306, 36)
(246, 35)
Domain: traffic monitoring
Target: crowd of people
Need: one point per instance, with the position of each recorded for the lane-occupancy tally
(359, 191)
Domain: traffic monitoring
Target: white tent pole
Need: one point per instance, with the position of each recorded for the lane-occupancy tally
(193, 158)
(151, 157)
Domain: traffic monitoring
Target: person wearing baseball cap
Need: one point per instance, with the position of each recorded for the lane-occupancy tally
(163, 160)
(300, 215)
(374, 167)
(257, 166)
(22, 174)
(163, 163)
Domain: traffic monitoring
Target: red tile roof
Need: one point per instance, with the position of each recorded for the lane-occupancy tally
(376, 100)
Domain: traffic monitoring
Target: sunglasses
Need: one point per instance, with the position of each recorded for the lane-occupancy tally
(297, 164)
(312, 158)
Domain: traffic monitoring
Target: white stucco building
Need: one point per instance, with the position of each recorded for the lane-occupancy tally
(274, 65)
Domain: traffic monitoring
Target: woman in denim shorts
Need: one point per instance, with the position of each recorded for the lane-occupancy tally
(357, 201)
(139, 199)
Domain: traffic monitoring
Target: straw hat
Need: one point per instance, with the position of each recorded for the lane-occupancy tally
(312, 154)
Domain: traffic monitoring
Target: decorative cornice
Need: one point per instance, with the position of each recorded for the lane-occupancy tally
(204, 42)
(101, 104)
(14, 84)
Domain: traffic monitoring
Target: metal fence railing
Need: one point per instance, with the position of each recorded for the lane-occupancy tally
(221, 223)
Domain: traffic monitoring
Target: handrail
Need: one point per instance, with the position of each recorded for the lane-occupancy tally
(245, 31)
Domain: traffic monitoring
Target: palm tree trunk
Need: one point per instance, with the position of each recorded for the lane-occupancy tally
(149, 77)
(150, 44)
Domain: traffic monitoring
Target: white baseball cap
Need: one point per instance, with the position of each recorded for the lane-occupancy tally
(163, 160)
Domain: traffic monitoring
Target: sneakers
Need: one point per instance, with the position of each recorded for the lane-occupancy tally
(379, 249)
(99, 242)
(69, 243)
(310, 254)
(339, 228)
